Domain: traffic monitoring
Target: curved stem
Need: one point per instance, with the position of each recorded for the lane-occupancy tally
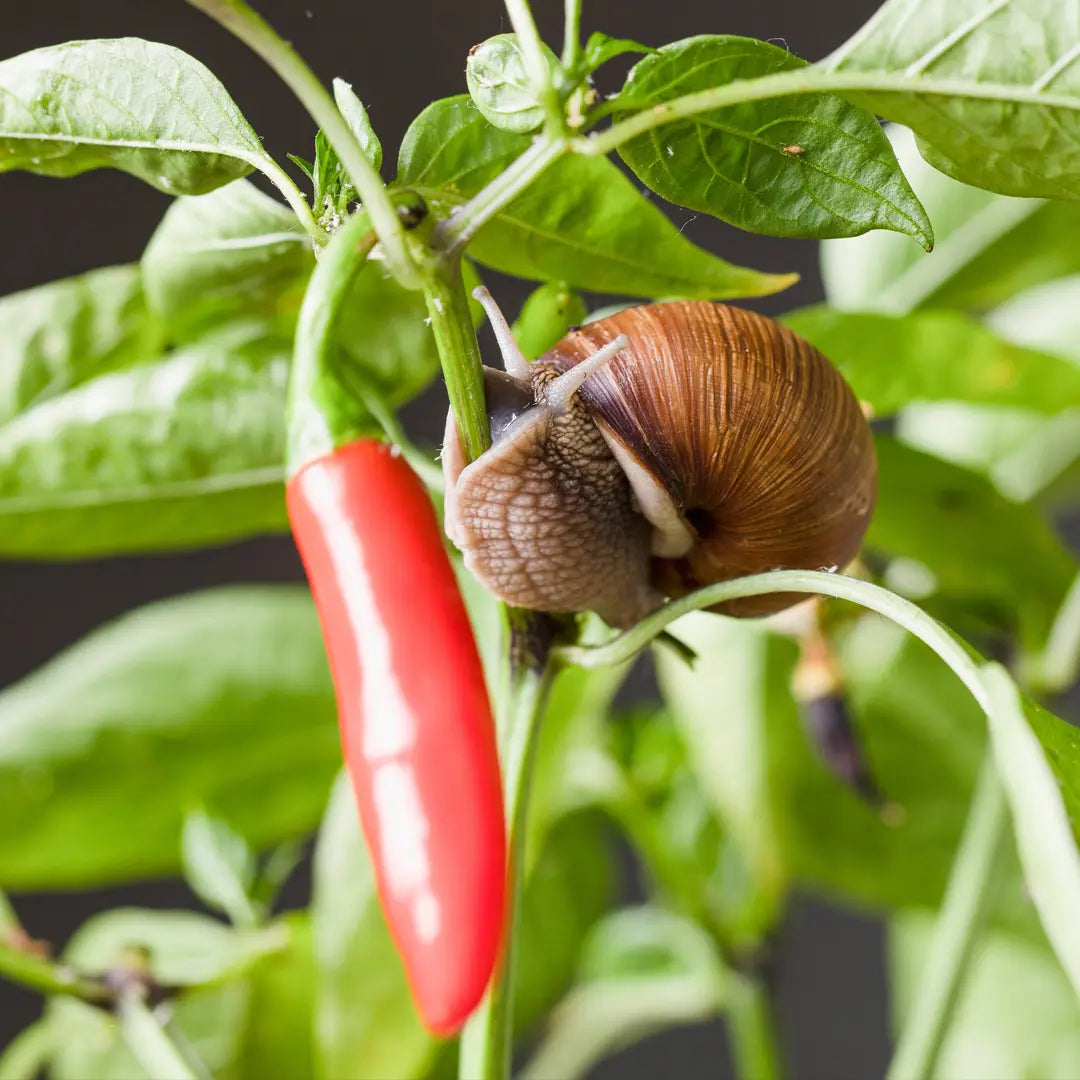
(457, 230)
(48, 977)
(487, 1041)
(968, 897)
(293, 196)
(251, 28)
(536, 64)
(149, 1044)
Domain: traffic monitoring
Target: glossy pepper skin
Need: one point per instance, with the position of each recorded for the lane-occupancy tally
(415, 717)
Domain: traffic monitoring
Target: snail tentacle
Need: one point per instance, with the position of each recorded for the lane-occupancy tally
(512, 357)
(561, 389)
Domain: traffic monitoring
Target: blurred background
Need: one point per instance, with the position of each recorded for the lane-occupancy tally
(399, 57)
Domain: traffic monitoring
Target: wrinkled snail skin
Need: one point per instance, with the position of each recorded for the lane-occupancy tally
(717, 443)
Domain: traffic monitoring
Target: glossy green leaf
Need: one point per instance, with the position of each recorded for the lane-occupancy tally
(499, 83)
(600, 48)
(219, 866)
(235, 253)
(352, 108)
(148, 109)
(581, 222)
(986, 553)
(545, 317)
(56, 336)
(991, 87)
(809, 165)
(213, 699)
(643, 970)
(163, 456)
(987, 247)
(1016, 1016)
(365, 1022)
(891, 361)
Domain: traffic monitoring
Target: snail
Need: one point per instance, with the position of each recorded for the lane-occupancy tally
(663, 448)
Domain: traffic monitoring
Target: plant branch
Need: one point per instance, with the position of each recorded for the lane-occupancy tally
(149, 1043)
(808, 80)
(968, 897)
(487, 1041)
(755, 1044)
(1057, 666)
(571, 52)
(536, 64)
(460, 227)
(293, 196)
(251, 28)
(48, 977)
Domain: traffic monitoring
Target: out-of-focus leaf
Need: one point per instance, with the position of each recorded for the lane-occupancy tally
(148, 109)
(27, 1055)
(810, 165)
(891, 361)
(219, 866)
(643, 970)
(982, 549)
(235, 253)
(56, 336)
(1017, 1015)
(987, 247)
(600, 48)
(1002, 118)
(545, 317)
(581, 221)
(183, 452)
(214, 699)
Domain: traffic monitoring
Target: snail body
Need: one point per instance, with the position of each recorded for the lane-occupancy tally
(655, 451)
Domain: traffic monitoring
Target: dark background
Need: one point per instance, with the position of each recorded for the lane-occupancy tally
(399, 55)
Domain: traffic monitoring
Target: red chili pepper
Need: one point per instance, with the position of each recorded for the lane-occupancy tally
(415, 717)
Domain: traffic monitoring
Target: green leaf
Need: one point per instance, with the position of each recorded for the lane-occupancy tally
(219, 866)
(499, 83)
(365, 1022)
(235, 253)
(56, 336)
(163, 456)
(991, 87)
(600, 48)
(352, 109)
(545, 317)
(1024, 736)
(935, 356)
(809, 165)
(334, 190)
(1016, 1016)
(213, 699)
(1000, 559)
(27, 1055)
(987, 247)
(581, 221)
(148, 109)
(644, 969)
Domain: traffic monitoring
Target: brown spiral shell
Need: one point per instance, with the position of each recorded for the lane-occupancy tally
(756, 437)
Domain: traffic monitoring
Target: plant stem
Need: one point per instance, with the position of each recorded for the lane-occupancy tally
(487, 1041)
(807, 80)
(293, 196)
(755, 1044)
(451, 323)
(147, 1041)
(968, 897)
(1060, 659)
(48, 977)
(571, 52)
(536, 64)
(456, 231)
(251, 28)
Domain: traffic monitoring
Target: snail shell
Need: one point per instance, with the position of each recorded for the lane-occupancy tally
(716, 443)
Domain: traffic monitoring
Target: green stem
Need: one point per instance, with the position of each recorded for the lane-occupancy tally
(251, 28)
(322, 413)
(456, 231)
(536, 64)
(451, 323)
(149, 1044)
(755, 1044)
(571, 52)
(808, 80)
(48, 977)
(968, 897)
(1060, 659)
(487, 1041)
(283, 182)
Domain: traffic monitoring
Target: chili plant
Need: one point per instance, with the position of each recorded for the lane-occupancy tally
(858, 746)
